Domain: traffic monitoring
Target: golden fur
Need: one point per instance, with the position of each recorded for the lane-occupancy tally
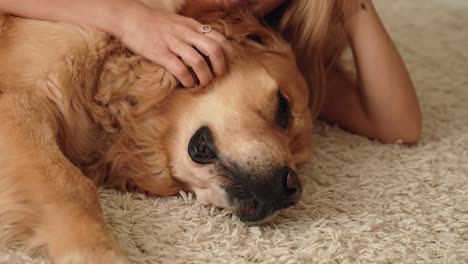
(315, 30)
(74, 102)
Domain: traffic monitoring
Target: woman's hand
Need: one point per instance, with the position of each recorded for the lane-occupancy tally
(175, 42)
(170, 40)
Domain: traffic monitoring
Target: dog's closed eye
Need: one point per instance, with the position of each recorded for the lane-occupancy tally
(257, 38)
(282, 117)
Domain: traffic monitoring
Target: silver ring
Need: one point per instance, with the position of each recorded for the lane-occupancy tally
(206, 29)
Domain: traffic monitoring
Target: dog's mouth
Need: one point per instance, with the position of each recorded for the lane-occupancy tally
(248, 210)
(255, 211)
(248, 215)
(255, 200)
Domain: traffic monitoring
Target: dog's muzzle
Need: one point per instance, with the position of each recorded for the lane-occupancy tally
(267, 198)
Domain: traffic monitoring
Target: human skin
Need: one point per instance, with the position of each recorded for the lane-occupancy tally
(383, 104)
(170, 40)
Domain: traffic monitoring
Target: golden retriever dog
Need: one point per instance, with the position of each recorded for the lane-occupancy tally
(78, 111)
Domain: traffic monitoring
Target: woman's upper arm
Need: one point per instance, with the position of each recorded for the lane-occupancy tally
(345, 107)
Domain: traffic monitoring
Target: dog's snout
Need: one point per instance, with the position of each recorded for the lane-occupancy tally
(284, 191)
(292, 185)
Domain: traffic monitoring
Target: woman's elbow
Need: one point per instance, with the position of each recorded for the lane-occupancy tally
(413, 135)
(409, 134)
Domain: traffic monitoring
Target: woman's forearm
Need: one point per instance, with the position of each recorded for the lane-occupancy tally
(101, 14)
(170, 40)
(386, 90)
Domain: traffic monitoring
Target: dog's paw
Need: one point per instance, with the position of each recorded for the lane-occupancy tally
(95, 256)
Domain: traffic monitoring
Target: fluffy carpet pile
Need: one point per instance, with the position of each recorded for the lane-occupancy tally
(364, 202)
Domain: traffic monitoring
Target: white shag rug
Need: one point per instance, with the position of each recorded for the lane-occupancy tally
(364, 202)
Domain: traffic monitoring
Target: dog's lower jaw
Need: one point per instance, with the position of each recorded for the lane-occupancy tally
(211, 196)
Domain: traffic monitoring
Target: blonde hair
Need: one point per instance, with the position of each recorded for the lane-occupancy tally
(315, 30)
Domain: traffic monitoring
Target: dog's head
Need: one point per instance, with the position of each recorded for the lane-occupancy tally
(237, 143)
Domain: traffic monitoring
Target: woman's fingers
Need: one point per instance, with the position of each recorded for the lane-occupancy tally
(212, 44)
(174, 65)
(211, 50)
(222, 41)
(224, 51)
(193, 59)
(178, 44)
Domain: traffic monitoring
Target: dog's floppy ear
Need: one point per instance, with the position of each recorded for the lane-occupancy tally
(129, 88)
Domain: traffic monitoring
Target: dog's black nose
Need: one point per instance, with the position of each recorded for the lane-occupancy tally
(201, 148)
(292, 185)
